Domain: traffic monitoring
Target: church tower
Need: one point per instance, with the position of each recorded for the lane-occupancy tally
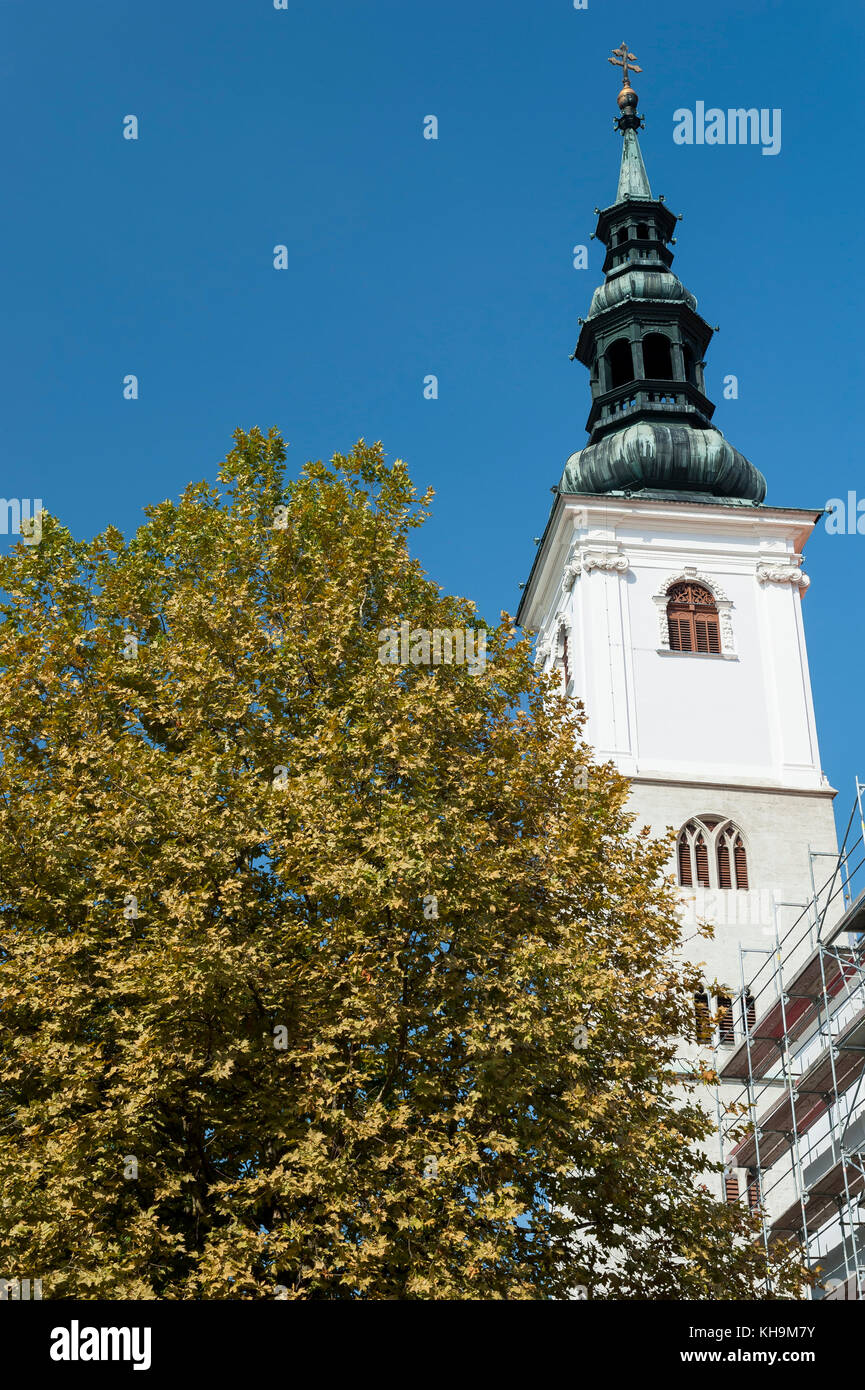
(669, 597)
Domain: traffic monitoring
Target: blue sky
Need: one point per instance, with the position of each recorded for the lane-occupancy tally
(410, 256)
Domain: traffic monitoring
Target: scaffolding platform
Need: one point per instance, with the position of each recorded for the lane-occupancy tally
(822, 1201)
(811, 1097)
(801, 1067)
(788, 1018)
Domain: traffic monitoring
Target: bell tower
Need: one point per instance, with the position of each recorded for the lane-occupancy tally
(668, 595)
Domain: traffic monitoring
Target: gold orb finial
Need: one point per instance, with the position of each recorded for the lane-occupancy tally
(627, 98)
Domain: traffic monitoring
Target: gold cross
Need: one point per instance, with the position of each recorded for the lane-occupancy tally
(622, 58)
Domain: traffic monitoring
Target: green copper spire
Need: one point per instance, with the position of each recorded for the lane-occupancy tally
(633, 179)
(650, 423)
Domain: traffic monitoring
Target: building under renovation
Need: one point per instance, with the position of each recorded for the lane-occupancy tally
(668, 595)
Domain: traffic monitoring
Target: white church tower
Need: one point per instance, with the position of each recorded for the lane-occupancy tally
(669, 596)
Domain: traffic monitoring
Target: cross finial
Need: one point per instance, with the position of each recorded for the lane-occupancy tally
(625, 60)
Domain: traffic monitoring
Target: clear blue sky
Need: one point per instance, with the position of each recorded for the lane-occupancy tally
(410, 256)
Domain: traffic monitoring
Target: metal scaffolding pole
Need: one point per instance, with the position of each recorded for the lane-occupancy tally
(819, 1000)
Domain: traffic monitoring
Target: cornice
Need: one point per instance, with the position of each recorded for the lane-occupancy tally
(757, 787)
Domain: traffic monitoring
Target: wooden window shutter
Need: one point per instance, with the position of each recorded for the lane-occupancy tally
(684, 857)
(724, 879)
(701, 855)
(692, 620)
(741, 862)
(731, 1188)
(726, 1029)
(753, 1190)
(749, 1012)
(704, 1018)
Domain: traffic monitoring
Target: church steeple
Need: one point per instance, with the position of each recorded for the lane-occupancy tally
(644, 343)
(633, 179)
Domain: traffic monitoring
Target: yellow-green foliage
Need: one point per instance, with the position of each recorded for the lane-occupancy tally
(324, 1088)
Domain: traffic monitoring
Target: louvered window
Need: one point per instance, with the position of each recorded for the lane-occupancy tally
(710, 853)
(704, 1018)
(683, 851)
(732, 859)
(726, 1030)
(701, 859)
(749, 1012)
(692, 620)
(753, 1189)
(731, 1188)
(741, 863)
(724, 876)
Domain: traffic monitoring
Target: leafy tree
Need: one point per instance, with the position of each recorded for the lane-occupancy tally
(324, 976)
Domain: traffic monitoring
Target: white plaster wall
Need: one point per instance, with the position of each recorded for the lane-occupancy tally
(746, 716)
(730, 736)
(780, 830)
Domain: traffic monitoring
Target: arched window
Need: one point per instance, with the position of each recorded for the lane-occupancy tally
(620, 363)
(621, 235)
(732, 860)
(692, 619)
(710, 853)
(642, 231)
(657, 357)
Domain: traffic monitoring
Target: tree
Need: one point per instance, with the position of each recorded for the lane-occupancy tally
(324, 974)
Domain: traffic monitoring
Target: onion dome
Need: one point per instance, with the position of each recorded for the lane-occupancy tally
(659, 459)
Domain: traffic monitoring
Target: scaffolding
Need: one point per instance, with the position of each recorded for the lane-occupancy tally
(791, 1080)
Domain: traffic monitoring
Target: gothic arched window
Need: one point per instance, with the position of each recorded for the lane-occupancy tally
(710, 853)
(732, 860)
(657, 357)
(620, 363)
(692, 619)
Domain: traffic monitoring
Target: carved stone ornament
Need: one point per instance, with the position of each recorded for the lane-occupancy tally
(606, 562)
(722, 603)
(571, 572)
(769, 572)
(594, 560)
